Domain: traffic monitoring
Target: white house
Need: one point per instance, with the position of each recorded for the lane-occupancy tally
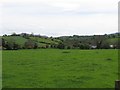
(93, 46)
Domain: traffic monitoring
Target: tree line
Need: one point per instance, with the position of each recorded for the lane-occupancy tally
(106, 41)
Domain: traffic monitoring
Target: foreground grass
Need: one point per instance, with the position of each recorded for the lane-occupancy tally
(53, 68)
(0, 69)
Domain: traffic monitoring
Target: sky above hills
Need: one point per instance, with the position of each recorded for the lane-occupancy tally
(59, 17)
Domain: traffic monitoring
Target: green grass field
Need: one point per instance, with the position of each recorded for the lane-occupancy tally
(54, 68)
(0, 69)
(19, 40)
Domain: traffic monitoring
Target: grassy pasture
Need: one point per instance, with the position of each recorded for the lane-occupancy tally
(18, 39)
(0, 69)
(54, 68)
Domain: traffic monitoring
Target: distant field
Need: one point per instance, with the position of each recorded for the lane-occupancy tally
(19, 40)
(54, 68)
(42, 42)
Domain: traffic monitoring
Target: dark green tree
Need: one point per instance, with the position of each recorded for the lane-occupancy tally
(61, 46)
(29, 44)
(35, 45)
(15, 46)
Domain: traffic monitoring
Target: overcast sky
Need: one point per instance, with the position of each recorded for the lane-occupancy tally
(59, 17)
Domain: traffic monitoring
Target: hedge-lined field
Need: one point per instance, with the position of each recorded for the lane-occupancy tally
(55, 68)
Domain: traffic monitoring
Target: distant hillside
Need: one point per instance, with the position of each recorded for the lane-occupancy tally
(17, 39)
(95, 40)
(31, 41)
(20, 39)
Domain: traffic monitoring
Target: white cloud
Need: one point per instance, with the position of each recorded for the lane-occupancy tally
(62, 25)
(59, 17)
